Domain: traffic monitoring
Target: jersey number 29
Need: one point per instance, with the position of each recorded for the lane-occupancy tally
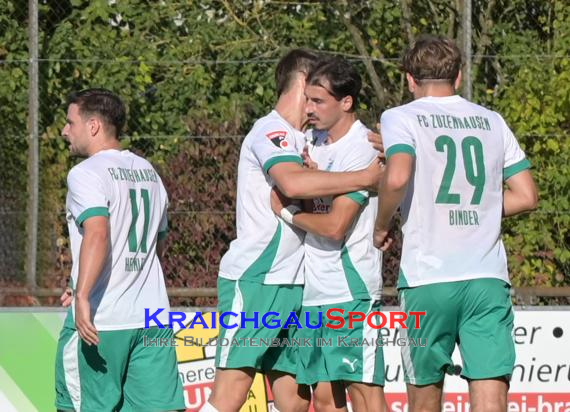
(472, 150)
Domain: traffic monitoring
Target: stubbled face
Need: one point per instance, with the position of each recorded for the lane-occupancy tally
(76, 131)
(323, 110)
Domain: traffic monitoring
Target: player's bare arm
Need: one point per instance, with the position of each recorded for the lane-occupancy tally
(332, 225)
(521, 194)
(94, 252)
(297, 182)
(391, 193)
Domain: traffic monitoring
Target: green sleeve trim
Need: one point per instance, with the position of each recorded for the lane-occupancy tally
(357, 197)
(281, 159)
(91, 212)
(162, 234)
(400, 148)
(512, 170)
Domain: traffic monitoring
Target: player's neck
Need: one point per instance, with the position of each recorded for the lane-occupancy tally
(434, 90)
(288, 108)
(104, 144)
(342, 127)
(291, 104)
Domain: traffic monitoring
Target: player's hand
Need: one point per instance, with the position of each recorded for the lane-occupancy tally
(373, 175)
(67, 297)
(278, 201)
(383, 239)
(307, 161)
(83, 322)
(376, 140)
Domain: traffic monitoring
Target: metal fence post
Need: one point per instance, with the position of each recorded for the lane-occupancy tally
(33, 146)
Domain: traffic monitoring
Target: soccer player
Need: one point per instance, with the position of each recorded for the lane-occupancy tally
(116, 214)
(263, 268)
(447, 162)
(342, 267)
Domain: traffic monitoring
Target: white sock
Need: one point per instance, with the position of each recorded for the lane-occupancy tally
(208, 407)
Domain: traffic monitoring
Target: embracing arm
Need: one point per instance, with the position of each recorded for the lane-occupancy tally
(297, 182)
(332, 225)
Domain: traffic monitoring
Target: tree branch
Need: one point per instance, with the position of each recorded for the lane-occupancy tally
(361, 47)
(407, 20)
(237, 19)
(486, 22)
(451, 30)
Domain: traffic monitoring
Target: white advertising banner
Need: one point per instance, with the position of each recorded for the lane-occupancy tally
(540, 381)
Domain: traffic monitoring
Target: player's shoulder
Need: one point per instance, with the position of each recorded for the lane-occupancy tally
(400, 112)
(272, 127)
(358, 141)
(493, 114)
(484, 111)
(140, 161)
(86, 167)
(84, 173)
(75, 172)
(359, 133)
(359, 127)
(271, 123)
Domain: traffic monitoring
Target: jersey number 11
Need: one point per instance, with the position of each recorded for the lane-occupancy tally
(134, 246)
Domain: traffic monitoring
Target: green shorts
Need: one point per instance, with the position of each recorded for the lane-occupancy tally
(475, 314)
(352, 355)
(253, 349)
(123, 372)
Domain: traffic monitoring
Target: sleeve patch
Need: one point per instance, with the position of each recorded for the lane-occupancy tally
(278, 138)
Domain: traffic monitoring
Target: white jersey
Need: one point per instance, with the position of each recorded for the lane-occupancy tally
(266, 250)
(126, 188)
(349, 269)
(453, 207)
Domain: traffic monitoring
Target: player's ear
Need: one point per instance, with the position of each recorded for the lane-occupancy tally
(346, 103)
(458, 81)
(95, 126)
(412, 85)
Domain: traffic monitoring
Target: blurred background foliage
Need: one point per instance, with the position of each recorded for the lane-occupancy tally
(196, 74)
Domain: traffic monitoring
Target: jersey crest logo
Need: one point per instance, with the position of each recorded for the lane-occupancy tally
(278, 138)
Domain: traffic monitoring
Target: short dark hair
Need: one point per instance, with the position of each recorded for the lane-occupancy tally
(432, 58)
(343, 79)
(295, 61)
(101, 102)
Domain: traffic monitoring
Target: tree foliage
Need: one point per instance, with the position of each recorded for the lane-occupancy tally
(195, 75)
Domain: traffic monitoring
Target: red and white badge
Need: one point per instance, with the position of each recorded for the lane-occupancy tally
(278, 138)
